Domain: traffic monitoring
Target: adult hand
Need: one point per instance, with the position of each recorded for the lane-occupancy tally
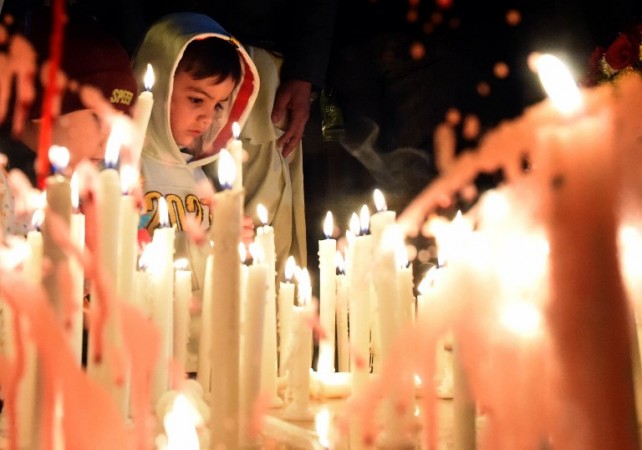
(292, 98)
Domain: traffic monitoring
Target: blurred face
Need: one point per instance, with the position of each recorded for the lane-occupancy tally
(83, 134)
(194, 104)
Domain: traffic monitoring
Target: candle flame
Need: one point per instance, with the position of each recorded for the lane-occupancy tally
(128, 178)
(305, 285)
(181, 263)
(379, 200)
(355, 225)
(236, 130)
(364, 219)
(147, 256)
(262, 213)
(290, 267)
(226, 169)
(328, 225)
(522, 318)
(149, 78)
(58, 157)
(163, 213)
(428, 281)
(180, 425)
(114, 142)
(339, 262)
(242, 252)
(558, 83)
(258, 255)
(37, 218)
(75, 191)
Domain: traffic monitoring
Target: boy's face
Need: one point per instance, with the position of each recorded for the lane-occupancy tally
(194, 104)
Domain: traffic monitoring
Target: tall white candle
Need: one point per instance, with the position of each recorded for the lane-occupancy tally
(252, 341)
(77, 228)
(300, 358)
(58, 194)
(327, 292)
(142, 112)
(378, 222)
(265, 239)
(225, 314)
(108, 220)
(127, 234)
(204, 374)
(343, 340)
(235, 147)
(182, 296)
(286, 301)
(359, 295)
(161, 270)
(27, 410)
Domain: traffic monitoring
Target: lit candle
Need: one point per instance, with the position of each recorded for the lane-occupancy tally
(27, 404)
(58, 192)
(343, 340)
(235, 147)
(106, 254)
(204, 374)
(327, 275)
(378, 222)
(252, 341)
(300, 358)
(225, 313)
(265, 239)
(286, 302)
(142, 112)
(161, 271)
(359, 298)
(182, 297)
(127, 234)
(77, 228)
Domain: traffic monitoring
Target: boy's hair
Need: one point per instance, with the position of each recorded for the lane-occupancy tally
(211, 57)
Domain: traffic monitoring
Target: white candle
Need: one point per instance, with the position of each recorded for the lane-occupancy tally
(142, 112)
(252, 341)
(327, 275)
(235, 147)
(343, 340)
(161, 270)
(225, 314)
(286, 301)
(378, 222)
(127, 234)
(265, 239)
(77, 228)
(300, 358)
(58, 193)
(182, 296)
(108, 221)
(27, 410)
(204, 374)
(359, 295)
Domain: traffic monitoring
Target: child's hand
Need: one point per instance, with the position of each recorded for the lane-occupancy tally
(247, 230)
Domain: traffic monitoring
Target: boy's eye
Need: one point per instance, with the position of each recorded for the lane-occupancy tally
(219, 107)
(195, 100)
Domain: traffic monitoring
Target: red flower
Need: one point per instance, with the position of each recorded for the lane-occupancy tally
(623, 52)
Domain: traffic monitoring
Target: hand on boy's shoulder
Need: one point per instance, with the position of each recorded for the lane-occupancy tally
(292, 105)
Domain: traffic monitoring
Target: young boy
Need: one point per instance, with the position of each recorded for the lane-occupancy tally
(204, 83)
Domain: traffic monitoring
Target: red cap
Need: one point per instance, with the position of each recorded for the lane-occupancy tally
(90, 56)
